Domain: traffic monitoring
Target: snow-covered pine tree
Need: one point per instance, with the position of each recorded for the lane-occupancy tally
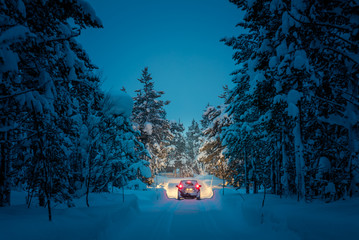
(333, 52)
(193, 143)
(87, 112)
(178, 142)
(122, 154)
(237, 137)
(108, 151)
(68, 67)
(310, 79)
(303, 52)
(211, 153)
(47, 65)
(149, 117)
(13, 37)
(247, 138)
(178, 158)
(208, 115)
(276, 75)
(205, 122)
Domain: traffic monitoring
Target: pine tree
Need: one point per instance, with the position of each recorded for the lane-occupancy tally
(178, 158)
(122, 153)
(47, 65)
(293, 63)
(211, 153)
(14, 35)
(193, 143)
(149, 117)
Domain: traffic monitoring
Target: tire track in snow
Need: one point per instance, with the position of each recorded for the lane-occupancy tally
(211, 223)
(162, 226)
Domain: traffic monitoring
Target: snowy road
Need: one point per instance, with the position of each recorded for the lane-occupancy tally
(156, 214)
(168, 218)
(210, 218)
(173, 219)
(232, 216)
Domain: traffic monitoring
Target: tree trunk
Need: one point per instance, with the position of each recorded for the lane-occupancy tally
(87, 192)
(123, 193)
(4, 184)
(284, 180)
(223, 186)
(255, 186)
(88, 180)
(41, 199)
(278, 172)
(254, 177)
(264, 198)
(49, 208)
(299, 157)
(353, 132)
(273, 177)
(246, 180)
(5, 189)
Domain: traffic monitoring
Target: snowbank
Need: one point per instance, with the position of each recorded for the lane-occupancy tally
(318, 220)
(137, 185)
(19, 222)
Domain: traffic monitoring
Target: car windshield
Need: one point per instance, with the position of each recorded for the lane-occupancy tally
(189, 182)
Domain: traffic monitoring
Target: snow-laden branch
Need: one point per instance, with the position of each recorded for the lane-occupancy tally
(348, 96)
(319, 24)
(328, 101)
(58, 39)
(23, 92)
(344, 40)
(351, 58)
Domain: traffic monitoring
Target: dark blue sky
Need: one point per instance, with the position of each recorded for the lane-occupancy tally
(177, 40)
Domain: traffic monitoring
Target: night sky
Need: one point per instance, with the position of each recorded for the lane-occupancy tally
(177, 40)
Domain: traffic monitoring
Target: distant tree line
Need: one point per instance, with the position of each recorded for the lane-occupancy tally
(169, 147)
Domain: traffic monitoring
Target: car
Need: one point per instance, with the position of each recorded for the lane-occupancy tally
(189, 189)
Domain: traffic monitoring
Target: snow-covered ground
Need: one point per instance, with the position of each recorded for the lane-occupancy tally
(155, 214)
